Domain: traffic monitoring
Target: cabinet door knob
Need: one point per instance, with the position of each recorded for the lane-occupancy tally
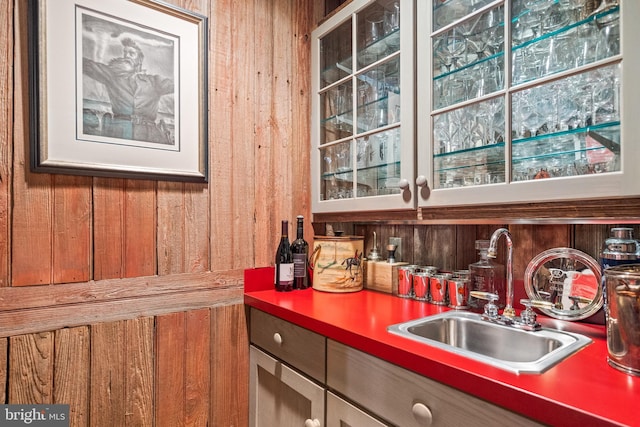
(421, 181)
(422, 414)
(312, 423)
(277, 338)
(403, 184)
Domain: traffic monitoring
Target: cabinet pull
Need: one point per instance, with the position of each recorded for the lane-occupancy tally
(277, 338)
(422, 414)
(312, 423)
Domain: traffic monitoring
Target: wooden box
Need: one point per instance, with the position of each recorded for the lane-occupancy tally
(382, 276)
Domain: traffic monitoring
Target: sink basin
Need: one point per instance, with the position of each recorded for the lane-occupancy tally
(504, 347)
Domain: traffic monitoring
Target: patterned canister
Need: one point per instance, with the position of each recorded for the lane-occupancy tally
(421, 285)
(405, 280)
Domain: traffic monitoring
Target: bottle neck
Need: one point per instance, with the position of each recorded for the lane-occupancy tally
(285, 229)
(300, 231)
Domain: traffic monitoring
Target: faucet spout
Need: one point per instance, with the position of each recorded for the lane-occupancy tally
(492, 253)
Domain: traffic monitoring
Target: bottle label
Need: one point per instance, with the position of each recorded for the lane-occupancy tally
(299, 265)
(286, 274)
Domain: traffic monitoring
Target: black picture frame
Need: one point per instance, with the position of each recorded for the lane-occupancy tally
(118, 88)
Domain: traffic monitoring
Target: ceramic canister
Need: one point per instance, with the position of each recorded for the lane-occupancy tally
(337, 263)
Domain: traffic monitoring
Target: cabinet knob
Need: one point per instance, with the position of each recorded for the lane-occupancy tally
(403, 184)
(277, 338)
(312, 423)
(422, 414)
(421, 181)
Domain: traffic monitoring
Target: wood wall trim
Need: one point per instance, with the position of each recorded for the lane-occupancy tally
(608, 211)
(33, 309)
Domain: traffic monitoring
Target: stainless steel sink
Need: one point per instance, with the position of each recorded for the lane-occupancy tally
(504, 347)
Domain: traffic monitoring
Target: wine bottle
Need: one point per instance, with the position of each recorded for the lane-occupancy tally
(284, 261)
(300, 250)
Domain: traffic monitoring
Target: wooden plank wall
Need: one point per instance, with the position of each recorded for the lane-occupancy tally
(123, 297)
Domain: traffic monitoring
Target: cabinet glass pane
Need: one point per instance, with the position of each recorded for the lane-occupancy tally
(568, 127)
(469, 145)
(378, 31)
(337, 113)
(468, 60)
(553, 36)
(378, 92)
(336, 171)
(336, 55)
(446, 12)
(378, 163)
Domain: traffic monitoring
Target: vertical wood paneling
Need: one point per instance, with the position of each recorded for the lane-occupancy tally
(31, 211)
(196, 230)
(4, 359)
(304, 20)
(197, 367)
(139, 255)
(108, 228)
(182, 368)
(229, 367)
(71, 229)
(107, 402)
(170, 370)
(232, 126)
(530, 240)
(436, 245)
(72, 372)
(6, 130)
(139, 378)
(31, 359)
(121, 373)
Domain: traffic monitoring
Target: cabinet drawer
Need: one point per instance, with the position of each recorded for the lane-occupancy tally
(299, 347)
(395, 394)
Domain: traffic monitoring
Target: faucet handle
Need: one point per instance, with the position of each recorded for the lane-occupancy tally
(490, 308)
(528, 316)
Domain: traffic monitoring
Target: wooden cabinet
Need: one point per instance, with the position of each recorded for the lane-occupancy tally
(530, 111)
(282, 390)
(341, 413)
(280, 396)
(363, 130)
(359, 389)
(405, 398)
(515, 101)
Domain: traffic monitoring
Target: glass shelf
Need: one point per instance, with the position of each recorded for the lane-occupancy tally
(539, 50)
(449, 11)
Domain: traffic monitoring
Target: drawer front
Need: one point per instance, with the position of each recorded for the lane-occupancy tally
(299, 347)
(405, 398)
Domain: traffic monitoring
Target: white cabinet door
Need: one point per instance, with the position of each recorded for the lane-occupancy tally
(281, 397)
(343, 414)
(543, 108)
(362, 124)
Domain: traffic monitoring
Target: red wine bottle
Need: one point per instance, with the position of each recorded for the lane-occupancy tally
(300, 250)
(284, 261)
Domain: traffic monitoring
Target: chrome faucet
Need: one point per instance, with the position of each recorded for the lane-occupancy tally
(492, 253)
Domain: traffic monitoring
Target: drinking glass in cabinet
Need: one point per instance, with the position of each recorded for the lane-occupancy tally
(336, 55)
(468, 60)
(446, 12)
(337, 120)
(378, 31)
(567, 127)
(549, 37)
(337, 171)
(378, 96)
(473, 126)
(378, 163)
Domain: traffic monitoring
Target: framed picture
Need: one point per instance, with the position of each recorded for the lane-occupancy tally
(118, 88)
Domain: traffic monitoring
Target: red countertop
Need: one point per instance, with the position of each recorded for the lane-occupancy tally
(582, 390)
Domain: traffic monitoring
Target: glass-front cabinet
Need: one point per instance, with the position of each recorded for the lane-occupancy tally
(363, 115)
(527, 100)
